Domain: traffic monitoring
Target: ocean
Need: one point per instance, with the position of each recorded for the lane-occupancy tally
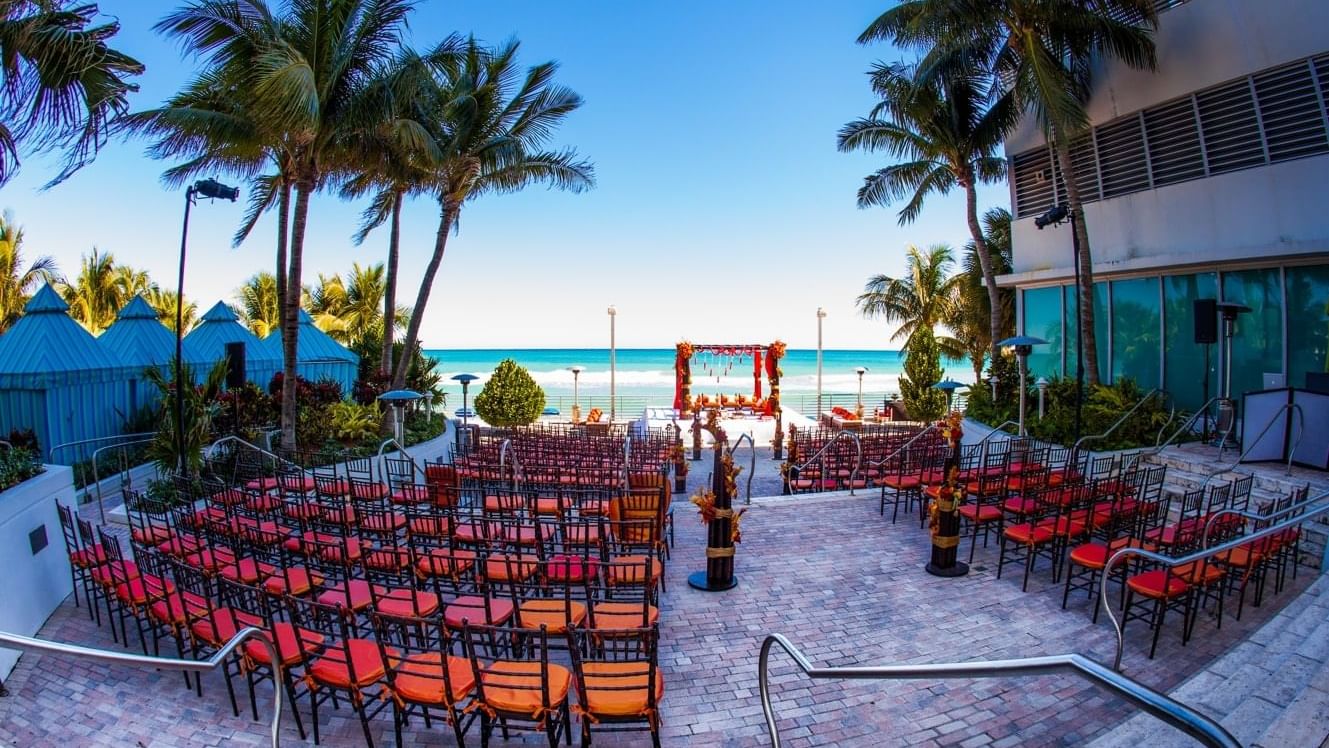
(645, 376)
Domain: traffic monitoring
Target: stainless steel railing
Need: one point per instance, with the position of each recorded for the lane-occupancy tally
(752, 466)
(1075, 450)
(1247, 514)
(517, 472)
(903, 447)
(1160, 705)
(997, 431)
(1184, 426)
(858, 460)
(15, 641)
(1199, 555)
(96, 471)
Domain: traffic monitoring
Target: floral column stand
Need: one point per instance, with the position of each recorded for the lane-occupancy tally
(945, 524)
(787, 469)
(719, 517)
(679, 455)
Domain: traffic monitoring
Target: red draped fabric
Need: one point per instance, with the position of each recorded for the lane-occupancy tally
(756, 373)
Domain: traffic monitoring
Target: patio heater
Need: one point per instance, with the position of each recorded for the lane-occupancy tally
(576, 406)
(949, 386)
(212, 190)
(821, 315)
(465, 413)
(1227, 407)
(860, 371)
(399, 399)
(1023, 345)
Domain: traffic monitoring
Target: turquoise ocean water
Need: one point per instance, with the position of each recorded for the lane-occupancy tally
(647, 375)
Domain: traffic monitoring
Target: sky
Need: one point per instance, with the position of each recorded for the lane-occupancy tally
(722, 211)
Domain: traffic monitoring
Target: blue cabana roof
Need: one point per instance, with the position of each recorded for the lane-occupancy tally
(205, 345)
(139, 337)
(46, 348)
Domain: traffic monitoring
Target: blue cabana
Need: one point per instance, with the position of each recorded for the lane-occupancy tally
(58, 381)
(142, 341)
(205, 345)
(317, 355)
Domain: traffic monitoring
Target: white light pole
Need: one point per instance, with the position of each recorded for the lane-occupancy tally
(821, 315)
(612, 314)
(861, 371)
(576, 405)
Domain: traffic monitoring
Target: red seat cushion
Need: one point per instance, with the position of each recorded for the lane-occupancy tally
(419, 678)
(1151, 584)
(471, 608)
(1028, 533)
(404, 603)
(292, 643)
(353, 594)
(295, 580)
(981, 513)
(332, 669)
(221, 624)
(138, 588)
(444, 562)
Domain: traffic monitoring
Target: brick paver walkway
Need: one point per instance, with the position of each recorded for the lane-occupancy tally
(844, 585)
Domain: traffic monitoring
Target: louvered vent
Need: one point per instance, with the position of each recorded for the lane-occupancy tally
(1321, 64)
(1086, 167)
(1121, 157)
(1290, 111)
(1231, 132)
(1032, 174)
(1174, 143)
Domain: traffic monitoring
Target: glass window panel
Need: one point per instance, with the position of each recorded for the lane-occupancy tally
(1135, 331)
(1100, 329)
(1184, 359)
(1072, 328)
(1257, 346)
(1042, 318)
(1307, 322)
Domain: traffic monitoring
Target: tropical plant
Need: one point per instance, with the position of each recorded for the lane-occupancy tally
(200, 407)
(350, 310)
(923, 299)
(17, 465)
(350, 422)
(947, 137)
(1043, 52)
(290, 88)
(61, 86)
(258, 300)
(101, 288)
(163, 302)
(490, 127)
(510, 397)
(16, 281)
(971, 316)
(922, 370)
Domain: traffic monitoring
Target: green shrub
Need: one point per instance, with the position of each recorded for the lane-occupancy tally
(350, 422)
(922, 369)
(510, 397)
(200, 407)
(17, 465)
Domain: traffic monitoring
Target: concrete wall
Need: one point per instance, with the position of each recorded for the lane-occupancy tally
(32, 585)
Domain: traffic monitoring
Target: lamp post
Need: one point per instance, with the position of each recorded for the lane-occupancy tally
(821, 315)
(212, 190)
(612, 363)
(860, 371)
(576, 406)
(1054, 217)
(949, 386)
(1024, 345)
(1042, 384)
(465, 380)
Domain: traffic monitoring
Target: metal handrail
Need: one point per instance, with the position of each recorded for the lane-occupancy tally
(858, 462)
(16, 641)
(1246, 450)
(1124, 417)
(401, 449)
(1247, 514)
(1185, 425)
(96, 472)
(627, 461)
(998, 430)
(1201, 554)
(79, 442)
(6, 444)
(1158, 704)
(208, 450)
(517, 471)
(931, 427)
(752, 467)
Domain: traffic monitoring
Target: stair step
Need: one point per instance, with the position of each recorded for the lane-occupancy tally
(1305, 720)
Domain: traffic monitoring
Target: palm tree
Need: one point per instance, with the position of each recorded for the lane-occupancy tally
(61, 85)
(350, 309)
(96, 294)
(973, 313)
(490, 129)
(163, 302)
(16, 281)
(301, 76)
(257, 300)
(946, 137)
(921, 300)
(1043, 52)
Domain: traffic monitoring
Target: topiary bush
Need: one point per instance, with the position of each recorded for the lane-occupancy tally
(510, 397)
(922, 369)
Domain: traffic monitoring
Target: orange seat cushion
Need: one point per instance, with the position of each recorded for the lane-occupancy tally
(419, 678)
(404, 603)
(505, 567)
(514, 687)
(624, 615)
(632, 569)
(362, 656)
(444, 562)
(471, 608)
(429, 527)
(554, 614)
(292, 645)
(618, 689)
(296, 580)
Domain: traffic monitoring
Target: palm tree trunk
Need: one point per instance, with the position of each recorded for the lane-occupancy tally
(283, 233)
(448, 217)
(390, 292)
(985, 263)
(1086, 291)
(290, 320)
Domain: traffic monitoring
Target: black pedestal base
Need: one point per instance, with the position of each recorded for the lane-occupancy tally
(957, 570)
(697, 580)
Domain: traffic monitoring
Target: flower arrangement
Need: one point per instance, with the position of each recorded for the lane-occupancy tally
(595, 415)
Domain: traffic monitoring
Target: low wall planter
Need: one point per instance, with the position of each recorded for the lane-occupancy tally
(34, 568)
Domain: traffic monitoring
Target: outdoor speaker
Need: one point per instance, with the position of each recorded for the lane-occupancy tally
(235, 365)
(1206, 321)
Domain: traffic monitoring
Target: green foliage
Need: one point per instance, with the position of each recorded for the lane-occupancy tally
(200, 407)
(18, 465)
(510, 397)
(350, 422)
(922, 369)
(1006, 407)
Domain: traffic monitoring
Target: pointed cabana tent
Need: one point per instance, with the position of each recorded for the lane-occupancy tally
(205, 345)
(142, 341)
(58, 381)
(318, 356)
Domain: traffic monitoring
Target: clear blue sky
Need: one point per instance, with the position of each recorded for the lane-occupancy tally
(722, 212)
